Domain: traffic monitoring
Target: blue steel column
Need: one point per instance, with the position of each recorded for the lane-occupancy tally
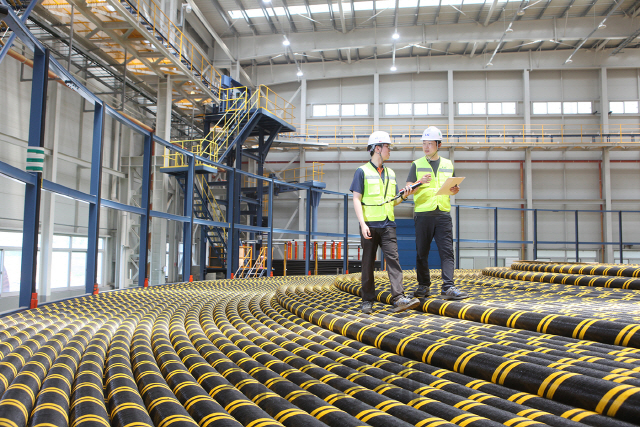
(203, 251)
(188, 226)
(144, 202)
(95, 190)
(345, 262)
(620, 233)
(495, 237)
(577, 240)
(457, 237)
(32, 192)
(308, 237)
(270, 225)
(231, 177)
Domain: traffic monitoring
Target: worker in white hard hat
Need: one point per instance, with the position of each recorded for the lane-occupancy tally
(432, 215)
(373, 187)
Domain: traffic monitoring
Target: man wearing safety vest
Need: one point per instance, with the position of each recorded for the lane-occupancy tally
(432, 215)
(373, 187)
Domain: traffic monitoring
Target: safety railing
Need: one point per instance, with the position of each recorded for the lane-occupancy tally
(246, 258)
(149, 15)
(470, 134)
(210, 199)
(236, 99)
(222, 134)
(312, 172)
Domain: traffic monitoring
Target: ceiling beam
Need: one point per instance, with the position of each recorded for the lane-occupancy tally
(292, 24)
(618, 28)
(511, 61)
(491, 9)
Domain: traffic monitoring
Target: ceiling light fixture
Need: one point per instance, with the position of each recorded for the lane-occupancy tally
(489, 64)
(520, 12)
(286, 42)
(393, 68)
(568, 61)
(509, 30)
(395, 36)
(300, 73)
(267, 1)
(602, 25)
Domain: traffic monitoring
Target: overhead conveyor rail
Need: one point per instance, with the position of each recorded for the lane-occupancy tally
(298, 352)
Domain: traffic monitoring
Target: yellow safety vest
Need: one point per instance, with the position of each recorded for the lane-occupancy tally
(377, 191)
(425, 199)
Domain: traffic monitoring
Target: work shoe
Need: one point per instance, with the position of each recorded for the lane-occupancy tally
(367, 307)
(454, 293)
(403, 303)
(421, 292)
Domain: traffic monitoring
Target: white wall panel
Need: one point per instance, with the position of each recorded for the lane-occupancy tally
(623, 84)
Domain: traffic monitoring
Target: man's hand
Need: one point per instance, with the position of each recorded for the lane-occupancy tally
(407, 191)
(426, 178)
(364, 229)
(455, 189)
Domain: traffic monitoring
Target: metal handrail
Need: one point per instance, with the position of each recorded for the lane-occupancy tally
(212, 145)
(149, 15)
(474, 133)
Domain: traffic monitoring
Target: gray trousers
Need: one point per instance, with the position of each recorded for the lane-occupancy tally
(387, 240)
(437, 227)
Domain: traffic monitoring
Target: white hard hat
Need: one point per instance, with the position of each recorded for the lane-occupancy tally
(378, 138)
(432, 133)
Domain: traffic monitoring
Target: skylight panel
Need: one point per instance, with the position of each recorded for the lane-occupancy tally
(363, 5)
(298, 10)
(407, 3)
(319, 8)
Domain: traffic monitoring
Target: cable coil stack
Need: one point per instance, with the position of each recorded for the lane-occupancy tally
(535, 344)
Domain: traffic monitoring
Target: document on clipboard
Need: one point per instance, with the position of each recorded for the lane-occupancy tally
(450, 182)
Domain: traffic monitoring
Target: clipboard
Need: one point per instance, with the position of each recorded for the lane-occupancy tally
(450, 182)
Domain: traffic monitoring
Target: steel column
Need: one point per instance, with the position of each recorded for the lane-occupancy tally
(308, 234)
(203, 251)
(620, 234)
(188, 226)
(143, 270)
(270, 225)
(95, 187)
(32, 193)
(230, 217)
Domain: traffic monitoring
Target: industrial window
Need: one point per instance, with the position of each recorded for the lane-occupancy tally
(498, 108)
(319, 110)
(345, 110)
(558, 108)
(576, 107)
(350, 110)
(623, 107)
(484, 108)
(68, 264)
(427, 109)
(390, 109)
(333, 110)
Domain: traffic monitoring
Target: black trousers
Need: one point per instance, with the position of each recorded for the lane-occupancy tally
(385, 238)
(437, 227)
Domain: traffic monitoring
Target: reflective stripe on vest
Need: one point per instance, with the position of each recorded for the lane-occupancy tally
(425, 199)
(374, 193)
